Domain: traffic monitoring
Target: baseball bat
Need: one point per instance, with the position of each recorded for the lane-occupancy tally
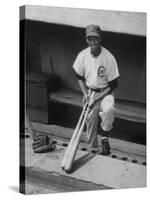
(70, 157)
(67, 152)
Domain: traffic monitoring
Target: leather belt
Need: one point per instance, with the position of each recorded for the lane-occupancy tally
(97, 89)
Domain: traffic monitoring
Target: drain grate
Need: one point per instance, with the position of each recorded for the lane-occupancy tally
(114, 156)
(64, 144)
(134, 161)
(124, 158)
(84, 149)
(144, 163)
(55, 142)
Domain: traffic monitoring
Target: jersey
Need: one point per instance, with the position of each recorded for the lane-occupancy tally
(97, 71)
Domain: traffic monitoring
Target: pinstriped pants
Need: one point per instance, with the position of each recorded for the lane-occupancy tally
(103, 110)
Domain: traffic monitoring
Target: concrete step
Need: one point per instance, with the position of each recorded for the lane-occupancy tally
(66, 133)
(41, 183)
(90, 171)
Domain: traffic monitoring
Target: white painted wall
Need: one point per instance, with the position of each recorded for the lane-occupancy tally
(114, 21)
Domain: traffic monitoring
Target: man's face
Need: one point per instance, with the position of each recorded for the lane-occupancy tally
(94, 43)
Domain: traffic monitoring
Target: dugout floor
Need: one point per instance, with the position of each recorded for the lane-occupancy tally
(124, 168)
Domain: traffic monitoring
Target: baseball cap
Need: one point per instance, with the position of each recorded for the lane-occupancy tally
(93, 30)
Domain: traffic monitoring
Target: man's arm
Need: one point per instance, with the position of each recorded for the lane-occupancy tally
(83, 87)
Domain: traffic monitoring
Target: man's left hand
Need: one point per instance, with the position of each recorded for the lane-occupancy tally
(96, 99)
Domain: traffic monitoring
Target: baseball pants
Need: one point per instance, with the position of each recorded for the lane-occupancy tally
(103, 110)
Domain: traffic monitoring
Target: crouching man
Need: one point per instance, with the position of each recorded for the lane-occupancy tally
(97, 72)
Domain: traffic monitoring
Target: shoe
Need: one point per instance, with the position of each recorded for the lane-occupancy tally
(105, 147)
(94, 150)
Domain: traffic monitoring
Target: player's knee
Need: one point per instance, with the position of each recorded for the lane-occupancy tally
(107, 104)
(110, 111)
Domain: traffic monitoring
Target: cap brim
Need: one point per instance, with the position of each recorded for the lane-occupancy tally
(92, 34)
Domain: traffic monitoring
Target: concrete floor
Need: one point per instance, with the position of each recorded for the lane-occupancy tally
(36, 186)
(90, 172)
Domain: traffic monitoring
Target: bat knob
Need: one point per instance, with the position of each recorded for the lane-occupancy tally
(67, 171)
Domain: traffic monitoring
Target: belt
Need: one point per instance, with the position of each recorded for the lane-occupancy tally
(97, 89)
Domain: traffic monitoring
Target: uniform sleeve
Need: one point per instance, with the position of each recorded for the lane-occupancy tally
(78, 66)
(112, 70)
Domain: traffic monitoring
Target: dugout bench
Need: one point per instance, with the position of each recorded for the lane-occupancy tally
(49, 102)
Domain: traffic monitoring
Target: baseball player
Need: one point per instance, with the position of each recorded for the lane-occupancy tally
(97, 71)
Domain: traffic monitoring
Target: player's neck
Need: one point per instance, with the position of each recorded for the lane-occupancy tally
(97, 52)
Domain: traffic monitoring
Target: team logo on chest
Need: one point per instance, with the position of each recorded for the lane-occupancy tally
(101, 71)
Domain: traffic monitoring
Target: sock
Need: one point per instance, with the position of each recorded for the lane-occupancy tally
(104, 138)
(105, 134)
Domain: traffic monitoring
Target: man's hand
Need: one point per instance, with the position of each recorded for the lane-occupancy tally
(95, 100)
(86, 98)
(92, 104)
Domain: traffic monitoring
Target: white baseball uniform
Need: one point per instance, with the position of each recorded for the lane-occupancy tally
(98, 71)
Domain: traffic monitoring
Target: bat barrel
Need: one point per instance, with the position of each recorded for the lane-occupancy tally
(67, 152)
(71, 156)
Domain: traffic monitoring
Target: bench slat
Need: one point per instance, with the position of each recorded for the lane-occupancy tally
(128, 111)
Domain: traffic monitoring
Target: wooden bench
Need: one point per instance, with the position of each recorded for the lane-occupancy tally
(39, 95)
(124, 109)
